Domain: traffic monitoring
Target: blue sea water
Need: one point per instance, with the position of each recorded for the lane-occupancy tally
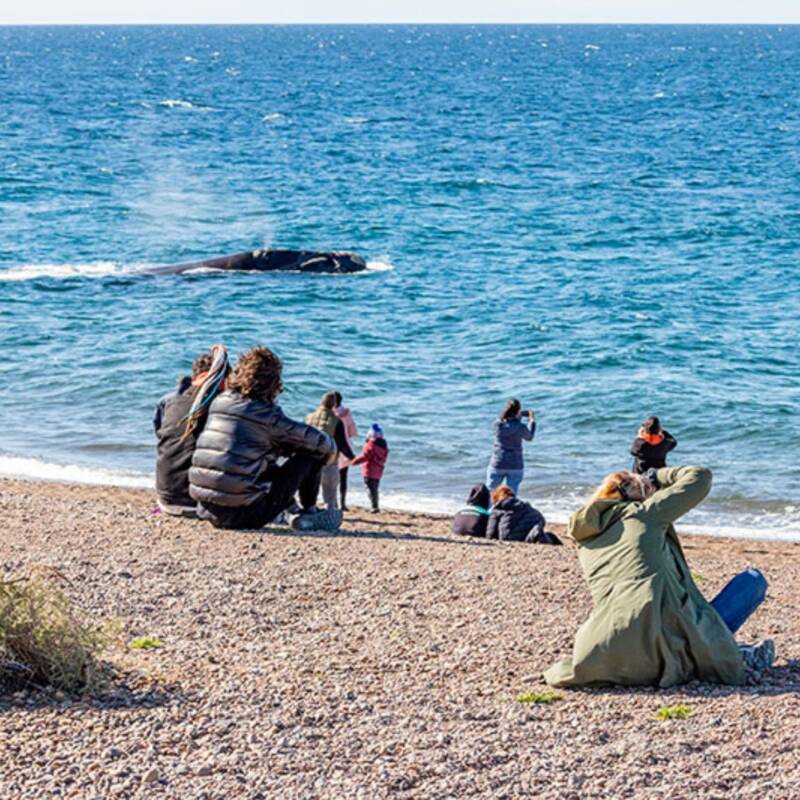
(603, 221)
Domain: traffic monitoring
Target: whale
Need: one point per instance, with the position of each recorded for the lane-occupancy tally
(335, 262)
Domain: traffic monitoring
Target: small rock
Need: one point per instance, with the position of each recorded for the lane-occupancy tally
(206, 769)
(151, 776)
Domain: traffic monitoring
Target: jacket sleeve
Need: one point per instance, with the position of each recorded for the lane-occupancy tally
(296, 437)
(342, 445)
(158, 414)
(529, 430)
(365, 453)
(636, 447)
(491, 528)
(350, 425)
(682, 488)
(670, 441)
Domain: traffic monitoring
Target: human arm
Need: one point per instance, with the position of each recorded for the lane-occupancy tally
(681, 489)
(670, 441)
(290, 436)
(158, 414)
(491, 528)
(529, 430)
(340, 439)
(364, 455)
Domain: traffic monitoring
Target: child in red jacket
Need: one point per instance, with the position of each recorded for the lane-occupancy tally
(373, 458)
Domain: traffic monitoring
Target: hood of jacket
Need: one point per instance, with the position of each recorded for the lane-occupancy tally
(594, 518)
(479, 496)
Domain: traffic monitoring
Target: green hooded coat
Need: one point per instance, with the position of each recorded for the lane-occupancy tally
(650, 625)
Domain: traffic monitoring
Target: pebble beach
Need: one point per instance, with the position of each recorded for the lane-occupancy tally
(385, 661)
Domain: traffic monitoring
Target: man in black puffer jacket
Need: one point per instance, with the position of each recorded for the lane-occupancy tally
(235, 476)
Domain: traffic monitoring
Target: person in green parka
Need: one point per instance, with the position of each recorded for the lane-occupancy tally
(650, 625)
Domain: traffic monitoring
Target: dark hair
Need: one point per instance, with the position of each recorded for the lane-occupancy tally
(652, 425)
(338, 396)
(328, 400)
(257, 374)
(202, 364)
(511, 410)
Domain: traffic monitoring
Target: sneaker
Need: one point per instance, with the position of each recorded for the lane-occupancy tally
(374, 511)
(758, 657)
(328, 520)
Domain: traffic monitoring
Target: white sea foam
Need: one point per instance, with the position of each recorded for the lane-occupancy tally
(27, 272)
(357, 120)
(272, 117)
(35, 469)
(775, 526)
(185, 104)
(380, 264)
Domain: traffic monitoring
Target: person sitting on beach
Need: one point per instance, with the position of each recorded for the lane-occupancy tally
(373, 457)
(514, 520)
(350, 432)
(473, 519)
(179, 417)
(235, 475)
(651, 445)
(324, 418)
(650, 625)
(509, 432)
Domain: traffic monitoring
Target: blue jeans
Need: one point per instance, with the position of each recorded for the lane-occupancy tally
(512, 477)
(740, 598)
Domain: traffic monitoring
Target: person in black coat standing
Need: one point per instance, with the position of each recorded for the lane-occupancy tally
(651, 445)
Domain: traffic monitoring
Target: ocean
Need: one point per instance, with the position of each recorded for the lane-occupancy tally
(603, 221)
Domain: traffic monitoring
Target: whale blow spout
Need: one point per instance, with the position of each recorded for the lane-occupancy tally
(318, 261)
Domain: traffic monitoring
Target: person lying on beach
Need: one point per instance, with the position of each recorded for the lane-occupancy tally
(651, 445)
(506, 464)
(179, 417)
(373, 458)
(324, 418)
(474, 517)
(514, 520)
(350, 432)
(650, 625)
(235, 476)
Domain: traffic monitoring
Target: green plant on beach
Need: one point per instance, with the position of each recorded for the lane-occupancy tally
(43, 641)
(697, 577)
(534, 698)
(675, 712)
(146, 643)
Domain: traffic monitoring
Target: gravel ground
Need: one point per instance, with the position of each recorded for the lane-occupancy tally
(383, 662)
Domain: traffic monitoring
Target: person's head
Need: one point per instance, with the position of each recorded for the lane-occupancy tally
(501, 493)
(257, 375)
(479, 496)
(512, 410)
(624, 485)
(338, 397)
(329, 401)
(202, 364)
(209, 373)
(652, 426)
(375, 431)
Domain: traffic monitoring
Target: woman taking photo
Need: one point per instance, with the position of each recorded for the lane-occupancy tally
(650, 625)
(509, 434)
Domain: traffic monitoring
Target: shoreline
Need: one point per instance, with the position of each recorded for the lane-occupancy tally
(25, 468)
(380, 662)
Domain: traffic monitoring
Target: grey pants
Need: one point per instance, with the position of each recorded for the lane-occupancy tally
(329, 481)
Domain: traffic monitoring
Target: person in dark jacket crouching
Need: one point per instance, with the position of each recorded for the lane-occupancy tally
(514, 520)
(178, 420)
(472, 520)
(235, 476)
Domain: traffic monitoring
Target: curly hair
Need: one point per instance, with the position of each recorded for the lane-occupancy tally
(202, 364)
(257, 374)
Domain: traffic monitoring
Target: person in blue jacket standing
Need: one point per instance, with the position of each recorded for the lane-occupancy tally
(509, 434)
